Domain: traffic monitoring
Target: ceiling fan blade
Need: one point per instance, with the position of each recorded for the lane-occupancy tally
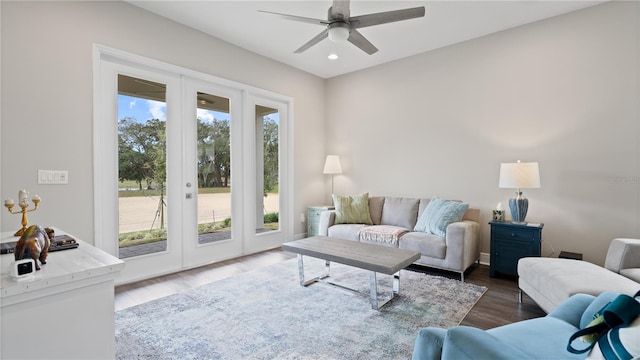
(360, 41)
(386, 17)
(339, 10)
(323, 35)
(297, 18)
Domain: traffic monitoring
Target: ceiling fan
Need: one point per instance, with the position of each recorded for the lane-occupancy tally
(340, 26)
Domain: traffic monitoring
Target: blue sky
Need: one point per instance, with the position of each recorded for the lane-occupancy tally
(143, 110)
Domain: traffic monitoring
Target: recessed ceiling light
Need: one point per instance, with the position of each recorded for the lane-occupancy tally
(332, 57)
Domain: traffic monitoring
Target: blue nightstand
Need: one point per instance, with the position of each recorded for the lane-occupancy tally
(510, 242)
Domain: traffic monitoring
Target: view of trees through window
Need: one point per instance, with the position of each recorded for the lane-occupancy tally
(142, 169)
(267, 158)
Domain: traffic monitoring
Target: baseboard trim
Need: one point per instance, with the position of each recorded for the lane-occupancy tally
(485, 258)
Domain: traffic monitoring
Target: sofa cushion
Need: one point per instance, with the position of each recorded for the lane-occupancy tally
(427, 244)
(402, 212)
(557, 279)
(352, 209)
(375, 208)
(382, 234)
(595, 306)
(439, 214)
(633, 274)
(345, 231)
(423, 205)
(533, 337)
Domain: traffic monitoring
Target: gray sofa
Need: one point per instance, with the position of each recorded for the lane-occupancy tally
(456, 251)
(551, 281)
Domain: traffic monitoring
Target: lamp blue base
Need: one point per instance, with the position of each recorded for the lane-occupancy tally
(519, 207)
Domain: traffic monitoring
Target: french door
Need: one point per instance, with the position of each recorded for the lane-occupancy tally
(212, 182)
(190, 169)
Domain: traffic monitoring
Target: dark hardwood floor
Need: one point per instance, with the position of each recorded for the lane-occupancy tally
(498, 306)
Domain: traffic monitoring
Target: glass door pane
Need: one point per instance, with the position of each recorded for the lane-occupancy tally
(267, 169)
(214, 168)
(142, 167)
(212, 177)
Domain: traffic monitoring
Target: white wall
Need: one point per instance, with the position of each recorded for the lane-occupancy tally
(47, 98)
(563, 92)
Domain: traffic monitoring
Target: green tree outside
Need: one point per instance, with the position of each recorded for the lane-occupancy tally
(142, 158)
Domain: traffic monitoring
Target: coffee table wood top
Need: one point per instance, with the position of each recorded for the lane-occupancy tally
(382, 259)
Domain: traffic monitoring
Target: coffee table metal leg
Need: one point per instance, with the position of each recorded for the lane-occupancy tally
(373, 283)
(327, 268)
(396, 283)
(373, 288)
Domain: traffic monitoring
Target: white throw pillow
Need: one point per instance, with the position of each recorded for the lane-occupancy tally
(630, 339)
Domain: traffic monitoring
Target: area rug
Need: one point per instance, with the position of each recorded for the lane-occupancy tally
(266, 314)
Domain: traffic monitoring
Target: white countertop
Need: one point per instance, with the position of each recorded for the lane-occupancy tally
(64, 270)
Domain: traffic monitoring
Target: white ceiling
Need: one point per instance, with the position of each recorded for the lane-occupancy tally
(445, 23)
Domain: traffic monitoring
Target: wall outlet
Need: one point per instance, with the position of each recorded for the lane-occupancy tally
(302, 218)
(51, 177)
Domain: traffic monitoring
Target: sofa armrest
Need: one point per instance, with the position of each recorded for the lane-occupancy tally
(463, 242)
(428, 344)
(327, 219)
(572, 309)
(464, 342)
(623, 254)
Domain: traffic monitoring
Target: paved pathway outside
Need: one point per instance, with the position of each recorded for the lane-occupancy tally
(138, 213)
(149, 248)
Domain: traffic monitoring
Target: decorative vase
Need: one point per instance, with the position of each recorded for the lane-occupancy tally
(519, 206)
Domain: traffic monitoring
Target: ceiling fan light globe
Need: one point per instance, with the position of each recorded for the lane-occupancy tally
(339, 34)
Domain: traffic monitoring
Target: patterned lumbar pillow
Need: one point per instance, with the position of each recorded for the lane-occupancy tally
(352, 209)
(439, 214)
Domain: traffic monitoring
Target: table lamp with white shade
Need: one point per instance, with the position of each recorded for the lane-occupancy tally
(332, 167)
(518, 176)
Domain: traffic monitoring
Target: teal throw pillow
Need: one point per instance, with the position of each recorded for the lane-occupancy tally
(352, 209)
(439, 214)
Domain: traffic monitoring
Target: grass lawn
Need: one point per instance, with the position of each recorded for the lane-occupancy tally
(149, 236)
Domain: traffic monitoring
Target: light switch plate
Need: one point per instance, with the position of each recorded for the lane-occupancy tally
(53, 177)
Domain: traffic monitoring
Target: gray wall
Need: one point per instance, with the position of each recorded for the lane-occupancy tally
(563, 92)
(47, 98)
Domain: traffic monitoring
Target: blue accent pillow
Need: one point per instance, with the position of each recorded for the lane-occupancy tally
(439, 214)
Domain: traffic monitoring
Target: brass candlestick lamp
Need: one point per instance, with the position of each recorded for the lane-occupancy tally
(22, 202)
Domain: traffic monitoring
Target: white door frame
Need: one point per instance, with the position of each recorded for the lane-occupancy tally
(261, 241)
(243, 203)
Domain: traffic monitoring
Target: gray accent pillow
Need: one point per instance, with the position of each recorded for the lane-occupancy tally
(423, 205)
(375, 207)
(401, 212)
